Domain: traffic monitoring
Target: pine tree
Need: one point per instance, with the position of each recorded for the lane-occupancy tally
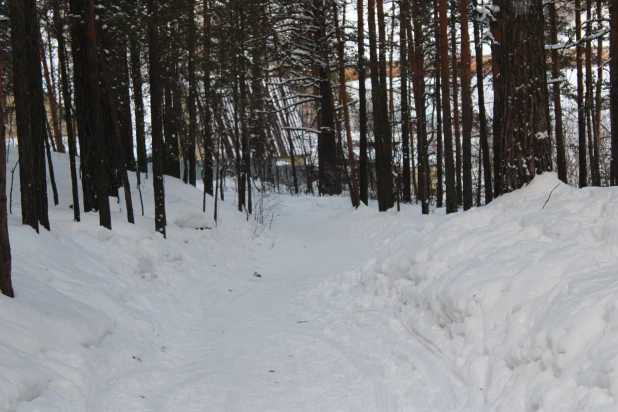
(560, 145)
(466, 107)
(362, 106)
(451, 191)
(613, 41)
(524, 107)
(155, 113)
(6, 286)
(30, 112)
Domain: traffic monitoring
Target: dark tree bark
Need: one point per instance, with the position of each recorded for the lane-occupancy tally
(208, 146)
(613, 44)
(29, 111)
(581, 108)
(344, 102)
(439, 137)
(138, 102)
(599, 88)
(417, 65)
(466, 107)
(96, 111)
(330, 175)
(456, 113)
(439, 124)
(484, 140)
(384, 153)
(246, 144)
(117, 141)
(496, 51)
(451, 191)
(155, 113)
(374, 76)
(362, 106)
(66, 97)
(405, 111)
(593, 148)
(50, 166)
(192, 136)
(6, 285)
(560, 147)
(117, 76)
(87, 150)
(525, 105)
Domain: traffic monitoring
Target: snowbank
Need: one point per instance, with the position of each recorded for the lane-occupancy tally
(520, 297)
(88, 299)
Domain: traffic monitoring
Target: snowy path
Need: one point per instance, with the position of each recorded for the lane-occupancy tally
(271, 343)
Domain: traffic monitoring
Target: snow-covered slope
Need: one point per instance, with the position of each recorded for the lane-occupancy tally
(519, 297)
(88, 299)
(511, 307)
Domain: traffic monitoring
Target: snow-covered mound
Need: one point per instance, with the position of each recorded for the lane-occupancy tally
(89, 300)
(521, 296)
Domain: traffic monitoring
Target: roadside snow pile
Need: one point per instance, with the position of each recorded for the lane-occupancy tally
(522, 300)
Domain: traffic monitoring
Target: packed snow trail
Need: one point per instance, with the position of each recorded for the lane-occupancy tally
(263, 337)
(509, 307)
(220, 317)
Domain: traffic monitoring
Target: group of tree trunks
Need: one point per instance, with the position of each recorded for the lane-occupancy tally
(252, 51)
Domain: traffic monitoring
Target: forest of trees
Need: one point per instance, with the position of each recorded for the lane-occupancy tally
(397, 104)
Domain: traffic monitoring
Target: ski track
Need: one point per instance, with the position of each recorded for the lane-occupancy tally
(238, 342)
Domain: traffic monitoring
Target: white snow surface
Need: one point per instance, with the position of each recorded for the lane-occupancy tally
(520, 300)
(510, 307)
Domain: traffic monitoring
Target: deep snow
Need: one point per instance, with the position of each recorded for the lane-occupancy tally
(507, 307)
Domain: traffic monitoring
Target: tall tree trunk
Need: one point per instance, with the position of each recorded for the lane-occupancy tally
(346, 112)
(88, 161)
(405, 111)
(6, 285)
(595, 172)
(384, 154)
(440, 138)
(456, 116)
(155, 114)
(66, 94)
(524, 110)
(560, 147)
(417, 64)
(613, 44)
(330, 175)
(246, 143)
(375, 79)
(466, 107)
(117, 74)
(581, 108)
(192, 94)
(96, 111)
(438, 100)
(138, 103)
(51, 98)
(50, 166)
(362, 105)
(599, 90)
(207, 160)
(29, 111)
(484, 141)
(122, 160)
(496, 52)
(451, 191)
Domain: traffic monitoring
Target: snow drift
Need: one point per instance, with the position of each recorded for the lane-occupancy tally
(87, 299)
(521, 296)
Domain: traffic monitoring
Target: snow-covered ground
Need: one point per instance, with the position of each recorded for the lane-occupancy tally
(510, 307)
(519, 298)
